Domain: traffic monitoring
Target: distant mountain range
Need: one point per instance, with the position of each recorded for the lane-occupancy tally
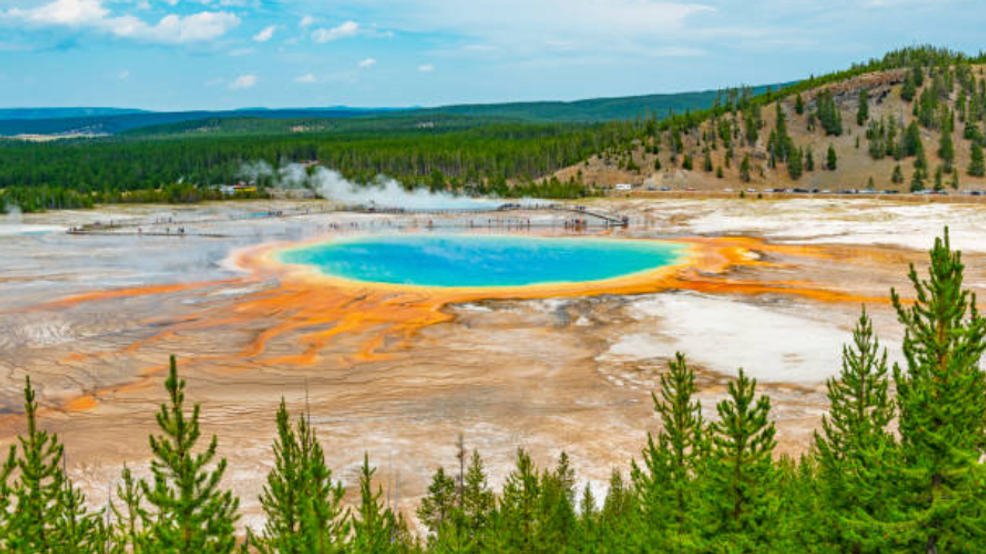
(98, 121)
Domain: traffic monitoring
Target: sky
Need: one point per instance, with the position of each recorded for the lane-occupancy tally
(223, 54)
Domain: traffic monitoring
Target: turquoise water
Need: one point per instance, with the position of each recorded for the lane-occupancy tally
(482, 261)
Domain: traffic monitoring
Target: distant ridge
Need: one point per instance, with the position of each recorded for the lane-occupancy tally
(61, 113)
(98, 121)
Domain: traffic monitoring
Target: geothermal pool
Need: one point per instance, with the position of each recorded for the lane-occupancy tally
(482, 261)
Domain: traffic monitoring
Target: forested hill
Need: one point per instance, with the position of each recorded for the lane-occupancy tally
(912, 121)
(595, 109)
(49, 121)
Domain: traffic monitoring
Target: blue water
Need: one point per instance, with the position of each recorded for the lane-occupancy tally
(482, 261)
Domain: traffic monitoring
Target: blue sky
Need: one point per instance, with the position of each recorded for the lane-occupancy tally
(215, 54)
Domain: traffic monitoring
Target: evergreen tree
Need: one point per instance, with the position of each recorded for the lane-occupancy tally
(863, 112)
(854, 447)
(946, 149)
(301, 503)
(518, 514)
(809, 161)
(941, 401)
(478, 501)
(909, 89)
(7, 498)
(912, 140)
(190, 512)
(977, 164)
(831, 159)
(129, 532)
(438, 508)
(898, 175)
(745, 169)
(77, 530)
(799, 104)
(375, 529)
(741, 508)
(665, 485)
(828, 113)
(557, 506)
(917, 180)
(794, 166)
(39, 488)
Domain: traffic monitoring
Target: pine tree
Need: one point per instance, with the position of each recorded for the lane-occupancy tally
(129, 532)
(478, 501)
(909, 89)
(809, 161)
(799, 526)
(831, 159)
(39, 486)
(863, 113)
(898, 175)
(745, 169)
(375, 529)
(941, 401)
(190, 512)
(977, 164)
(741, 509)
(946, 149)
(854, 447)
(794, 166)
(518, 514)
(665, 484)
(912, 140)
(619, 519)
(917, 180)
(7, 498)
(77, 530)
(557, 506)
(588, 535)
(301, 503)
(439, 507)
(799, 104)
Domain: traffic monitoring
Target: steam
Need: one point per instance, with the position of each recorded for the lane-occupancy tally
(388, 193)
(385, 193)
(12, 213)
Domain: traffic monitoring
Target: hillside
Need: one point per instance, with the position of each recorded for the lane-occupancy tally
(910, 110)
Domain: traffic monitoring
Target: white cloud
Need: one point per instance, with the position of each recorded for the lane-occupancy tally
(306, 21)
(368, 62)
(523, 26)
(243, 82)
(237, 52)
(426, 68)
(72, 13)
(265, 34)
(307, 78)
(90, 14)
(343, 30)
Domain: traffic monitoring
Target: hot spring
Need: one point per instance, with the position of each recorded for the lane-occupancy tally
(482, 261)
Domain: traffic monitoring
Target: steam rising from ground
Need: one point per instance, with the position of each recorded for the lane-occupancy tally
(384, 193)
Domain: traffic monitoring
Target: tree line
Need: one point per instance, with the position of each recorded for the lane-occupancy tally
(484, 159)
(897, 466)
